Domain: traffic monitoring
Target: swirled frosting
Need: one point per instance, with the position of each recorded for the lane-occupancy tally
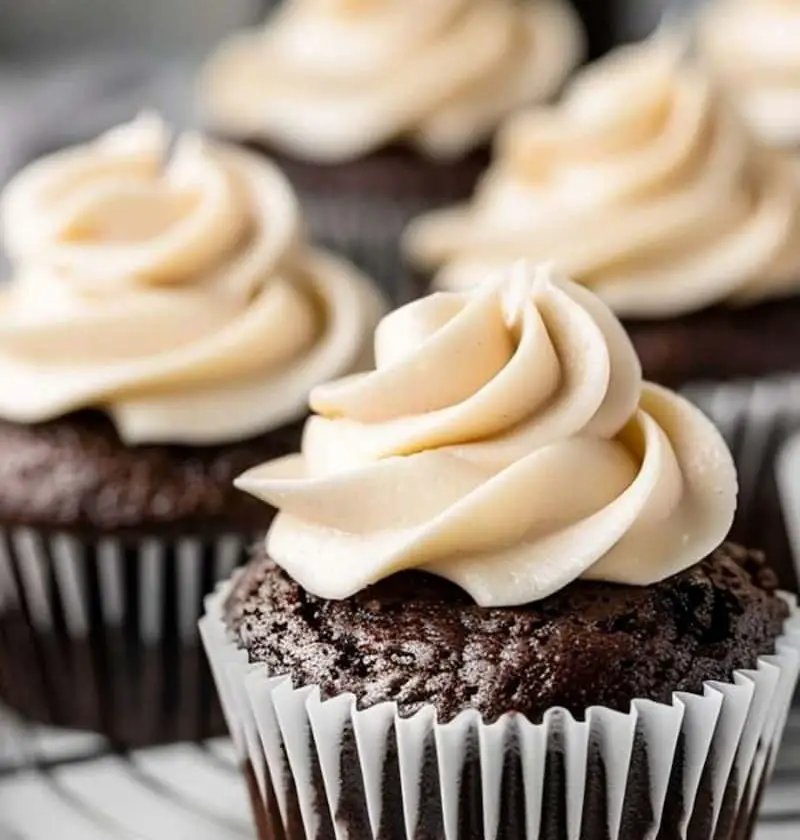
(505, 441)
(332, 80)
(754, 47)
(642, 185)
(175, 292)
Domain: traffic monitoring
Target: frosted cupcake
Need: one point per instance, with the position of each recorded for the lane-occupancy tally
(646, 187)
(449, 634)
(752, 46)
(165, 321)
(378, 109)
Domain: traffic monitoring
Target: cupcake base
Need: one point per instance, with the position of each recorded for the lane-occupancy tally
(694, 767)
(735, 821)
(134, 696)
(721, 344)
(106, 554)
(416, 639)
(74, 473)
(102, 636)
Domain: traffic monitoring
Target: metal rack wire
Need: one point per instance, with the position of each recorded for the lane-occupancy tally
(79, 785)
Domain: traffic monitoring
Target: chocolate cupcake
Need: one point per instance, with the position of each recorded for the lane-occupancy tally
(379, 109)
(496, 600)
(165, 321)
(645, 186)
(751, 46)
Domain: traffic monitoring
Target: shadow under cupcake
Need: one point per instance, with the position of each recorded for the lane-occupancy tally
(489, 610)
(163, 326)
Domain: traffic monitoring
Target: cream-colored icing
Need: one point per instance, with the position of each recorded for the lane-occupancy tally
(334, 80)
(177, 294)
(754, 47)
(504, 441)
(642, 184)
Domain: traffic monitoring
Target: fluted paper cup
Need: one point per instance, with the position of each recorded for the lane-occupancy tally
(694, 768)
(101, 633)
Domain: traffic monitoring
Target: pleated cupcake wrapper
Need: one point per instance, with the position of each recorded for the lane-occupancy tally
(757, 419)
(102, 634)
(152, 587)
(696, 766)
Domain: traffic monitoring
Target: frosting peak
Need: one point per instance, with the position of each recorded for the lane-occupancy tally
(331, 80)
(641, 184)
(174, 291)
(505, 441)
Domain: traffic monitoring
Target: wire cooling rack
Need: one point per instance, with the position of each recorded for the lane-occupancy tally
(74, 787)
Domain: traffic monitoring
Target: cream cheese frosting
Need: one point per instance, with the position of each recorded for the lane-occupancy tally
(754, 47)
(174, 291)
(332, 80)
(505, 441)
(642, 184)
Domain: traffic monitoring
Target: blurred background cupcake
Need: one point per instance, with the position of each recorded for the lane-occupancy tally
(647, 186)
(752, 46)
(378, 109)
(164, 322)
(404, 667)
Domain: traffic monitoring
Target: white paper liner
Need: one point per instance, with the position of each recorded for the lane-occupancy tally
(57, 579)
(729, 734)
(102, 634)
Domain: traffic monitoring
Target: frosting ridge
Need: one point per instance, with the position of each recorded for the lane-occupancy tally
(642, 184)
(178, 294)
(331, 81)
(462, 454)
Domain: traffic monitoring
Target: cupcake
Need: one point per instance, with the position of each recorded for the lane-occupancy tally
(752, 46)
(449, 633)
(645, 186)
(165, 322)
(378, 109)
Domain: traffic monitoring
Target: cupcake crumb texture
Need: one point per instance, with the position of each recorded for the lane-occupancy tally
(416, 639)
(76, 474)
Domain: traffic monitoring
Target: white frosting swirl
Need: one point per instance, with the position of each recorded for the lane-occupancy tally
(505, 442)
(332, 80)
(754, 47)
(179, 295)
(642, 184)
